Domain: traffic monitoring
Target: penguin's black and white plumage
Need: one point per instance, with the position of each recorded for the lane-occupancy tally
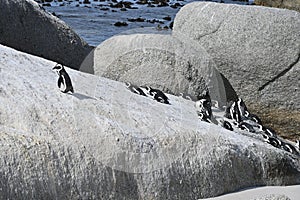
(227, 125)
(289, 147)
(135, 89)
(234, 112)
(64, 82)
(204, 117)
(156, 94)
(272, 140)
(204, 106)
(246, 126)
(253, 117)
(298, 145)
(267, 130)
(159, 96)
(242, 108)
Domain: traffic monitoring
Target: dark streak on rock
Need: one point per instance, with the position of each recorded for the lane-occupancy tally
(280, 74)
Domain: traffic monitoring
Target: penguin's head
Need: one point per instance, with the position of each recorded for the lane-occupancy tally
(148, 88)
(57, 68)
(266, 138)
(200, 115)
(127, 84)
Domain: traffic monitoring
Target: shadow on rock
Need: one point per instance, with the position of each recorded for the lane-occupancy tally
(82, 96)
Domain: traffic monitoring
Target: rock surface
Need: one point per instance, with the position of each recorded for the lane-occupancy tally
(256, 48)
(24, 25)
(273, 197)
(289, 4)
(104, 142)
(263, 193)
(160, 61)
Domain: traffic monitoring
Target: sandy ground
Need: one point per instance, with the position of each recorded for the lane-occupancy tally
(293, 192)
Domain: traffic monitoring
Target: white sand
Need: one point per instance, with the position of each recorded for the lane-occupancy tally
(293, 192)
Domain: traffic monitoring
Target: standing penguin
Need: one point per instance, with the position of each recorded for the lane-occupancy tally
(64, 81)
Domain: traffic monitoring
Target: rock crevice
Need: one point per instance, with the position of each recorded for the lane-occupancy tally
(281, 74)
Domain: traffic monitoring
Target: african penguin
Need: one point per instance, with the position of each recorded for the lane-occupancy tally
(156, 94)
(272, 140)
(204, 106)
(135, 89)
(242, 108)
(288, 147)
(298, 145)
(267, 130)
(253, 117)
(64, 82)
(234, 112)
(246, 126)
(227, 125)
(204, 117)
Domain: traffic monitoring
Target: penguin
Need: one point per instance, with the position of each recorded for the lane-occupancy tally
(156, 94)
(272, 140)
(298, 145)
(204, 117)
(135, 89)
(246, 126)
(234, 112)
(253, 118)
(267, 130)
(227, 125)
(160, 96)
(242, 108)
(64, 82)
(289, 148)
(204, 106)
(146, 91)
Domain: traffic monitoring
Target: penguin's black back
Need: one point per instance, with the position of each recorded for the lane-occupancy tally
(159, 96)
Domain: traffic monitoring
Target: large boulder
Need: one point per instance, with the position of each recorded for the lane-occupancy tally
(289, 4)
(256, 48)
(104, 142)
(161, 61)
(26, 26)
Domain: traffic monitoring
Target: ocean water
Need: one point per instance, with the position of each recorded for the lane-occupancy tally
(94, 22)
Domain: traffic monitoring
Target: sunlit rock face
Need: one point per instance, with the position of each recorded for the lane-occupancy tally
(106, 142)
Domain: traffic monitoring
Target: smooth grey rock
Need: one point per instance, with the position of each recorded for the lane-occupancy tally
(159, 61)
(273, 197)
(289, 4)
(26, 26)
(256, 48)
(104, 142)
(289, 84)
